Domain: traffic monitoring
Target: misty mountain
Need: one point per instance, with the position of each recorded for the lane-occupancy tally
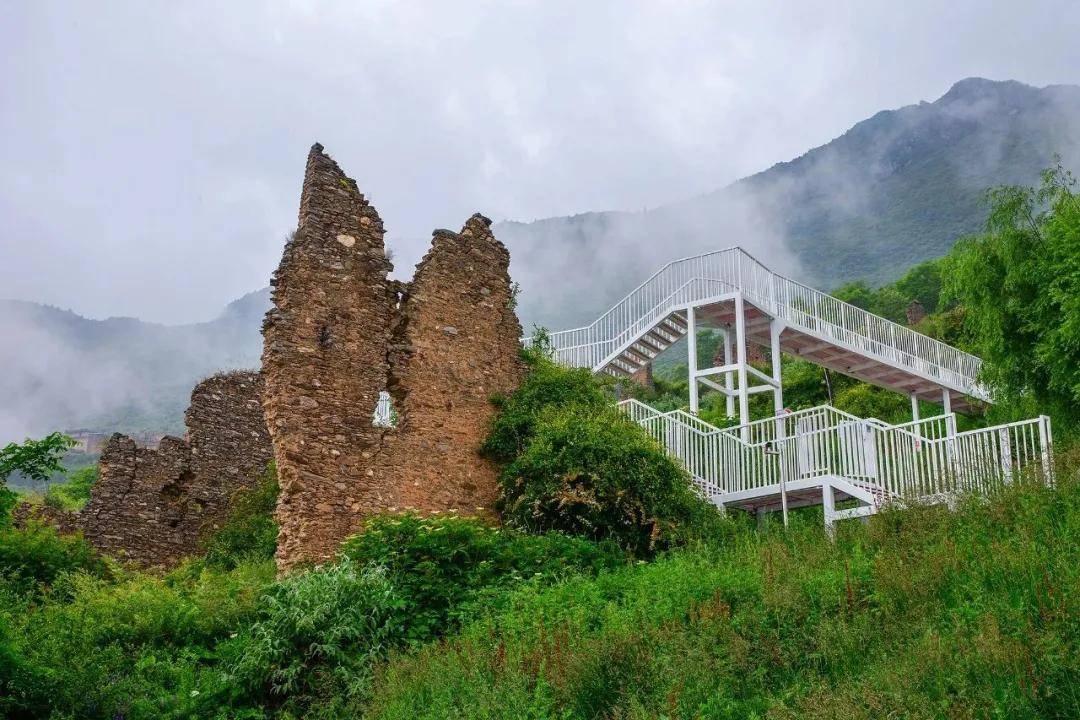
(895, 189)
(64, 371)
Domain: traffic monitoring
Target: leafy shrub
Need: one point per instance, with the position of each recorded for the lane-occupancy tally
(38, 460)
(575, 464)
(73, 494)
(547, 385)
(317, 634)
(249, 531)
(8, 500)
(137, 647)
(597, 474)
(37, 555)
(440, 565)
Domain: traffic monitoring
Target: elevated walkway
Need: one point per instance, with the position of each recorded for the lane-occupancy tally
(826, 456)
(820, 455)
(732, 291)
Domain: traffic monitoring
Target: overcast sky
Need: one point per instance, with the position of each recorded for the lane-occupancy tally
(151, 153)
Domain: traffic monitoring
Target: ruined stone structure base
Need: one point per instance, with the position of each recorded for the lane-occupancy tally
(152, 507)
(340, 333)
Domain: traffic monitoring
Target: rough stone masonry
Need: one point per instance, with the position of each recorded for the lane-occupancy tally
(152, 507)
(340, 332)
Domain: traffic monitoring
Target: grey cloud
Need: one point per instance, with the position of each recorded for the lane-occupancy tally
(152, 152)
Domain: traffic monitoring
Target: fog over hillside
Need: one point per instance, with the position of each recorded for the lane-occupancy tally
(64, 371)
(895, 189)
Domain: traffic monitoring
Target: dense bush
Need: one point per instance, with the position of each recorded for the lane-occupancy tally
(249, 531)
(73, 494)
(315, 638)
(8, 500)
(36, 460)
(135, 647)
(575, 464)
(595, 473)
(35, 556)
(546, 387)
(442, 565)
(923, 613)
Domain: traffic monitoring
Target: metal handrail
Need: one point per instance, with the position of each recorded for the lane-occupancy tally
(927, 459)
(801, 307)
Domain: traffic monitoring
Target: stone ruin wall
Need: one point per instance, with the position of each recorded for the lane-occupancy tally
(153, 506)
(340, 332)
(464, 345)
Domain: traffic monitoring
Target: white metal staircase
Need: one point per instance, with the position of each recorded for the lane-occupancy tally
(817, 456)
(823, 455)
(653, 316)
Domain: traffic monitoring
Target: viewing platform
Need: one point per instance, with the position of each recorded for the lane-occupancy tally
(820, 455)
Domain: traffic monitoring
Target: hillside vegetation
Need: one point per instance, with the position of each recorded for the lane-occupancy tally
(921, 614)
(610, 590)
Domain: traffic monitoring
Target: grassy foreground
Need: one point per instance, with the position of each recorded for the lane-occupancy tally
(921, 614)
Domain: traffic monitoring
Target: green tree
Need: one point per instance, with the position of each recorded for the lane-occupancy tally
(856, 293)
(1019, 285)
(923, 283)
(36, 459)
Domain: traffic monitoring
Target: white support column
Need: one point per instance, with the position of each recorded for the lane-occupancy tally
(740, 354)
(828, 506)
(691, 358)
(1005, 450)
(950, 433)
(915, 417)
(729, 379)
(1046, 457)
(775, 328)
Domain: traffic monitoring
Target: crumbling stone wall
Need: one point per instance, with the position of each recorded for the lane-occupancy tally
(151, 506)
(644, 376)
(340, 332)
(325, 362)
(62, 520)
(464, 342)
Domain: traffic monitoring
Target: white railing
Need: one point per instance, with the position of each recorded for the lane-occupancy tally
(917, 460)
(697, 279)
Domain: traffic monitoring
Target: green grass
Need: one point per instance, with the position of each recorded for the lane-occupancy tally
(921, 614)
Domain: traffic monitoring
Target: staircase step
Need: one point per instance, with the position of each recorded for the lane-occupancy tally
(676, 323)
(662, 334)
(644, 350)
(653, 342)
(630, 355)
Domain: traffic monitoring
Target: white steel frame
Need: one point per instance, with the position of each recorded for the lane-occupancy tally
(709, 278)
(824, 450)
(820, 455)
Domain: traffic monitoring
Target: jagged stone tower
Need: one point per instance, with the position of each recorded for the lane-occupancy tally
(340, 332)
